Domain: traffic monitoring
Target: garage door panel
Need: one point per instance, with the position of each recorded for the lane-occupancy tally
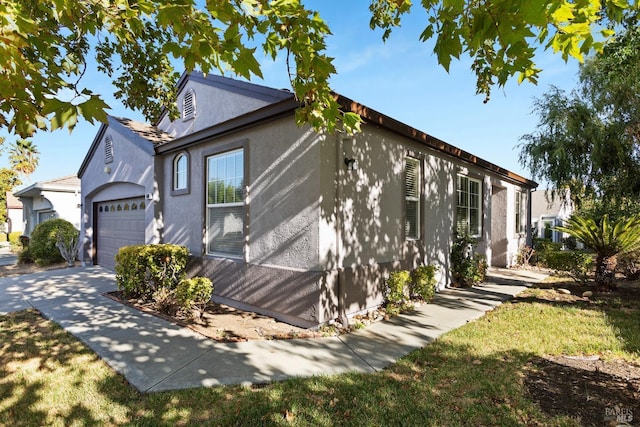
(120, 223)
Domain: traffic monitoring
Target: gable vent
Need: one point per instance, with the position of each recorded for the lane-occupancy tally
(108, 149)
(189, 105)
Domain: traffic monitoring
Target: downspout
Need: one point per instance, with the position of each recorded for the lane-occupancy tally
(529, 213)
(339, 249)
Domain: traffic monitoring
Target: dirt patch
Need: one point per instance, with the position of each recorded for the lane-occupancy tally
(227, 324)
(19, 269)
(592, 391)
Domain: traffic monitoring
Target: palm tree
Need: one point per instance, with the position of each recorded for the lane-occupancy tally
(606, 239)
(23, 157)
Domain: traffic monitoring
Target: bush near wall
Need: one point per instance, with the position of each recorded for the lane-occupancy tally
(143, 270)
(403, 286)
(14, 237)
(577, 264)
(42, 247)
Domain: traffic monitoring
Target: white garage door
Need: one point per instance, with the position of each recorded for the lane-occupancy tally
(120, 223)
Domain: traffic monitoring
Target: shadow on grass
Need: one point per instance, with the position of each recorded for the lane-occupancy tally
(440, 384)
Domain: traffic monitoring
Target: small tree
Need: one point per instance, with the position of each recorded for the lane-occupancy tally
(606, 240)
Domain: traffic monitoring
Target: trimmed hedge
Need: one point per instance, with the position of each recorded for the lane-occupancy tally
(577, 264)
(141, 270)
(423, 282)
(42, 247)
(14, 237)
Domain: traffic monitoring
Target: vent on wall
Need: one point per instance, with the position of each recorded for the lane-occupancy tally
(189, 105)
(108, 149)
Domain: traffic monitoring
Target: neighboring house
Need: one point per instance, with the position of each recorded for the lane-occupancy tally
(286, 221)
(56, 198)
(547, 211)
(14, 214)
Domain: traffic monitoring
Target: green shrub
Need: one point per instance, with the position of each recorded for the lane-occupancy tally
(15, 236)
(629, 265)
(467, 267)
(423, 282)
(143, 269)
(42, 245)
(398, 287)
(195, 292)
(577, 264)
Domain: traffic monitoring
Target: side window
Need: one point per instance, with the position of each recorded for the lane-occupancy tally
(180, 172)
(412, 198)
(225, 203)
(189, 105)
(520, 215)
(469, 206)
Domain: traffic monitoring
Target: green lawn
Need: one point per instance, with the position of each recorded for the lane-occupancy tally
(471, 376)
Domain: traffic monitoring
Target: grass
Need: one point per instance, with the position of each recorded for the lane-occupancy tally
(471, 376)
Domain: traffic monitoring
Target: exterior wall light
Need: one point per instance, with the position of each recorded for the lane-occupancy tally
(350, 163)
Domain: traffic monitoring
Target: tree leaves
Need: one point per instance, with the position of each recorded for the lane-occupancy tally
(46, 48)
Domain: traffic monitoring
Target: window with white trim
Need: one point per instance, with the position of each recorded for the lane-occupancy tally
(180, 172)
(520, 215)
(469, 206)
(189, 105)
(225, 203)
(412, 198)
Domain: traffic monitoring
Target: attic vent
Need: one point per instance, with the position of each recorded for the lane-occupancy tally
(189, 105)
(108, 149)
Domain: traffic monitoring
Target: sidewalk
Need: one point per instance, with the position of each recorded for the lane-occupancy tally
(155, 355)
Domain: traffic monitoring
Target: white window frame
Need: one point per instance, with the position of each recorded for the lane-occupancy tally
(180, 172)
(519, 212)
(412, 195)
(224, 204)
(464, 201)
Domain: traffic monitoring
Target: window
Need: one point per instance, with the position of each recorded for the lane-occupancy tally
(468, 219)
(520, 205)
(108, 149)
(412, 198)
(225, 203)
(189, 105)
(180, 166)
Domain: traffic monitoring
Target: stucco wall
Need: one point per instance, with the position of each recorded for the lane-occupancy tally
(130, 174)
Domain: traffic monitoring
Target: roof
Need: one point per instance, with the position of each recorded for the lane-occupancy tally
(146, 131)
(12, 201)
(65, 184)
(283, 103)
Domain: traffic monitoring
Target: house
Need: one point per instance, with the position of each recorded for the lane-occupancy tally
(547, 211)
(14, 214)
(286, 221)
(55, 198)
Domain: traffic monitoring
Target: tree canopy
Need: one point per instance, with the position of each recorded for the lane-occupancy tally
(47, 46)
(588, 141)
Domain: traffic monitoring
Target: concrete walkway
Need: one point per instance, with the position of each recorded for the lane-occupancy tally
(155, 355)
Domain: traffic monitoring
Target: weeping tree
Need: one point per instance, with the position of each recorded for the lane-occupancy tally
(607, 239)
(588, 140)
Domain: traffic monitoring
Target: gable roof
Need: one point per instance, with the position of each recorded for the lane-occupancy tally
(283, 103)
(65, 184)
(252, 90)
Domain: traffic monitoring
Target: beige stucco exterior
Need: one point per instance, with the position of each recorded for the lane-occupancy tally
(320, 237)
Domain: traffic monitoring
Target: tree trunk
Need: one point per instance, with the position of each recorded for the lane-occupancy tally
(605, 270)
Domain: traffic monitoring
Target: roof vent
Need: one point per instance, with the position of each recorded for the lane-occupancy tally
(108, 149)
(189, 105)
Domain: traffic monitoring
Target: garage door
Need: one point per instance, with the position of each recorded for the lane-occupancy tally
(120, 223)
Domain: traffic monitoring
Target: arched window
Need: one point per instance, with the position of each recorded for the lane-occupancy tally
(180, 173)
(189, 105)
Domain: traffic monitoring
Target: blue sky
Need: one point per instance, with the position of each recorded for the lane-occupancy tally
(400, 78)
